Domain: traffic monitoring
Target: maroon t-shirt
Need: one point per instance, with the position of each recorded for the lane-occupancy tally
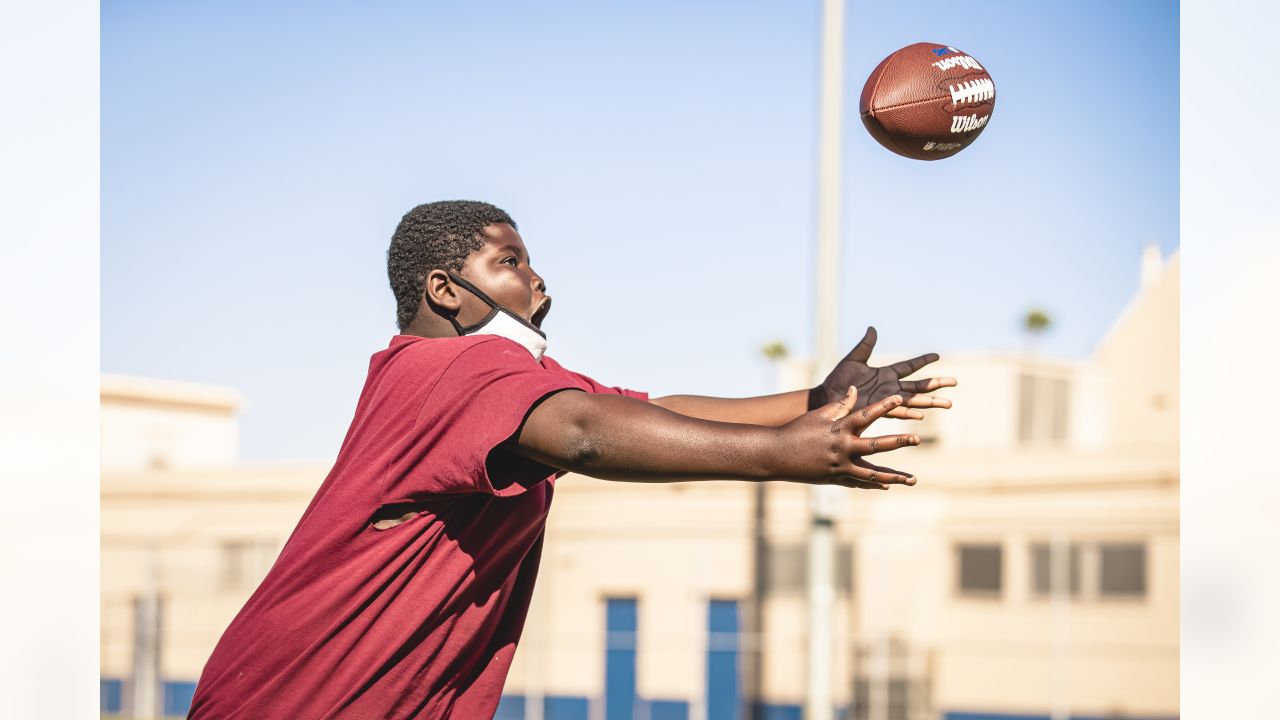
(404, 588)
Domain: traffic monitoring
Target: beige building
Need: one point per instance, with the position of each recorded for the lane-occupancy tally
(1032, 573)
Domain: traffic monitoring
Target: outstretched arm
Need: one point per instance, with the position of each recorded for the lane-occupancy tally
(769, 410)
(620, 438)
(874, 384)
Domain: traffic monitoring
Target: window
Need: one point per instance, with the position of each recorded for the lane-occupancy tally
(110, 692)
(787, 568)
(1026, 407)
(510, 707)
(724, 684)
(1058, 410)
(981, 569)
(1095, 570)
(1042, 569)
(1042, 409)
(663, 710)
(1123, 569)
(896, 691)
(177, 698)
(620, 659)
(902, 693)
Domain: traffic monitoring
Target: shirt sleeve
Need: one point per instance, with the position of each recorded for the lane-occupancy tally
(591, 385)
(479, 402)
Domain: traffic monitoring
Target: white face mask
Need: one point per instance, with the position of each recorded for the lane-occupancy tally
(503, 323)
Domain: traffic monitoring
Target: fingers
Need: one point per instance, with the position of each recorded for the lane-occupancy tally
(862, 352)
(903, 413)
(867, 475)
(845, 405)
(882, 471)
(927, 401)
(906, 367)
(927, 385)
(836, 411)
(870, 446)
(870, 413)
(860, 484)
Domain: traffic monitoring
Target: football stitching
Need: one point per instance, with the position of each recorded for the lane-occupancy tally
(972, 91)
(876, 88)
(873, 111)
(888, 136)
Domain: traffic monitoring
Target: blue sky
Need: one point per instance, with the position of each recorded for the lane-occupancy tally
(659, 157)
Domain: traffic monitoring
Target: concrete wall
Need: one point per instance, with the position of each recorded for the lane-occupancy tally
(149, 424)
(213, 527)
(1139, 358)
(189, 523)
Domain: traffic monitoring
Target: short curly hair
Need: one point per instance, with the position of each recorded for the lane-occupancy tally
(438, 235)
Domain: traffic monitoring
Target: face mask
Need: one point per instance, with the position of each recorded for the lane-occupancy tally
(502, 322)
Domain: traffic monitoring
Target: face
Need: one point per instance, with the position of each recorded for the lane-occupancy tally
(501, 269)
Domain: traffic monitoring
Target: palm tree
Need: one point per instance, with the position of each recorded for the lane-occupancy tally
(774, 351)
(1036, 321)
(1035, 324)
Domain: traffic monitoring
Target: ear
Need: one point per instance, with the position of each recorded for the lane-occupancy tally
(439, 292)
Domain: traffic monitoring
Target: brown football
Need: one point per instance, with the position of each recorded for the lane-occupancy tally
(927, 101)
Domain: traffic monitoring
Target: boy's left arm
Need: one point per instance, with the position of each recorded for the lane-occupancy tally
(771, 410)
(874, 384)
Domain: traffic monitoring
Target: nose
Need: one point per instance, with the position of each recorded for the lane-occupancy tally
(539, 284)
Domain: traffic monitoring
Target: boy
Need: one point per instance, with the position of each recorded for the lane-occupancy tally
(403, 590)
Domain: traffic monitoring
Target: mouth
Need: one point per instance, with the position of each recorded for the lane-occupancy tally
(540, 312)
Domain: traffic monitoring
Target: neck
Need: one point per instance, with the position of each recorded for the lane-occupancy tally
(429, 325)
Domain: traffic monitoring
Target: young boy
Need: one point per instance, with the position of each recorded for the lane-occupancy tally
(403, 590)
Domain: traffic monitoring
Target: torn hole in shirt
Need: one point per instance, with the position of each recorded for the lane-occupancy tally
(389, 516)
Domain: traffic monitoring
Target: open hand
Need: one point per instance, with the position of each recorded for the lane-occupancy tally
(826, 447)
(877, 383)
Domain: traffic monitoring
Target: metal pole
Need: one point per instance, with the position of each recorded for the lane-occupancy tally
(145, 689)
(754, 656)
(829, 165)
(1060, 615)
(820, 588)
(821, 562)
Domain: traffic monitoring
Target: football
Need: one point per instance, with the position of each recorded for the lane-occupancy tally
(927, 101)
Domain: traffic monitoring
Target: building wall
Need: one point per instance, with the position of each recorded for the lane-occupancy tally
(988, 653)
(1100, 469)
(149, 424)
(1139, 358)
(212, 537)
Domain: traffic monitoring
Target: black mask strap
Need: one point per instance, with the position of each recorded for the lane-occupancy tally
(465, 330)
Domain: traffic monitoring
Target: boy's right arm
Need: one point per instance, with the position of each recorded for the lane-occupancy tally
(620, 438)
